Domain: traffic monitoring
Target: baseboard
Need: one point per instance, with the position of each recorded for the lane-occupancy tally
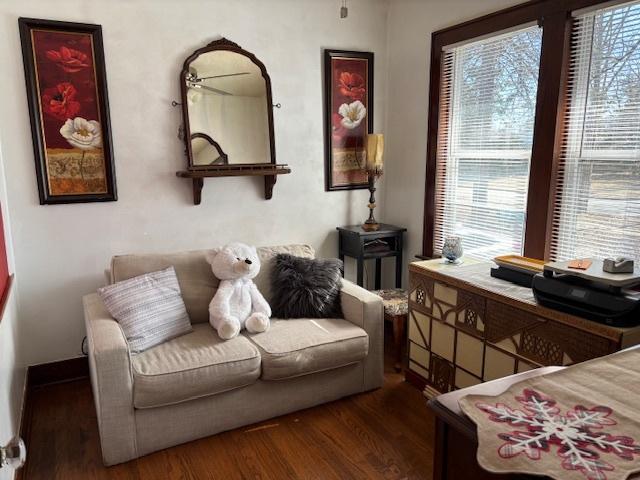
(415, 379)
(56, 372)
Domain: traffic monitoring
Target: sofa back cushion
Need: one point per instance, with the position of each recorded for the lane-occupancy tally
(197, 282)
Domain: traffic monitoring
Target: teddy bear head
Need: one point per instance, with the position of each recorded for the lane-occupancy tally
(235, 260)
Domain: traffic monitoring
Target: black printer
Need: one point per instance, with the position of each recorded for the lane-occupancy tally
(591, 293)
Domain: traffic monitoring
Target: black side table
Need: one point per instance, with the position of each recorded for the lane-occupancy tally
(357, 243)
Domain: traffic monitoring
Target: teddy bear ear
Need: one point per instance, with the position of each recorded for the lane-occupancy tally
(211, 254)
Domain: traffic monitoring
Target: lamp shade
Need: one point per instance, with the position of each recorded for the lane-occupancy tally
(375, 150)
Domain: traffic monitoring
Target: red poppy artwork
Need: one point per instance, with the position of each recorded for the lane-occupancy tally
(348, 117)
(64, 68)
(352, 85)
(69, 59)
(60, 101)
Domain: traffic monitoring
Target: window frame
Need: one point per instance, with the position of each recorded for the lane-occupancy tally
(555, 19)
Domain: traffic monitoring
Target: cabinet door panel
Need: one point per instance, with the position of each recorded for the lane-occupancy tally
(469, 353)
(419, 328)
(442, 340)
(445, 294)
(419, 355)
(497, 364)
(464, 379)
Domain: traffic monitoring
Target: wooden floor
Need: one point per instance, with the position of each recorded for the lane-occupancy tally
(385, 434)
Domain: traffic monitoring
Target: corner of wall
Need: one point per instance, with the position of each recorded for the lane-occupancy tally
(12, 369)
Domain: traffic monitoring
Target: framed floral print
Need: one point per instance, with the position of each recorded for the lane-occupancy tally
(67, 94)
(348, 90)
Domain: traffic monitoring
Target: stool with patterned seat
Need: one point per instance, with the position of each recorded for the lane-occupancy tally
(396, 308)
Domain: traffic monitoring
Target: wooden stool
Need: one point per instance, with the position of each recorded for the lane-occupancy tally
(396, 308)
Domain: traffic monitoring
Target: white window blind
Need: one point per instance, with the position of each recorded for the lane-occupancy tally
(487, 109)
(597, 202)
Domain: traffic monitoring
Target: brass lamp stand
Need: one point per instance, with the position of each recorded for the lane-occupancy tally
(375, 149)
(371, 224)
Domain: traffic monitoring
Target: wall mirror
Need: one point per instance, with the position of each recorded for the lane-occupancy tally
(228, 115)
(228, 103)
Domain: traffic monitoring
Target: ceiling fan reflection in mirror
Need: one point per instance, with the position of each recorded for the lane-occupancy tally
(193, 81)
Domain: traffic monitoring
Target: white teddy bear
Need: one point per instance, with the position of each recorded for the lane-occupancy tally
(238, 303)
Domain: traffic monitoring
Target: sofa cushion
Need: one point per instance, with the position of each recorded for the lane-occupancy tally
(197, 282)
(291, 348)
(194, 365)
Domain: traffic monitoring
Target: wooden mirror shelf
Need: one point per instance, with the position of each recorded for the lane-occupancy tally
(268, 171)
(227, 112)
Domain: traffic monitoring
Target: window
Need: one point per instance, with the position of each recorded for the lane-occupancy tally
(598, 196)
(534, 134)
(488, 99)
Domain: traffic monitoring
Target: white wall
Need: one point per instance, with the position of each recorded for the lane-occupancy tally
(409, 29)
(62, 250)
(12, 372)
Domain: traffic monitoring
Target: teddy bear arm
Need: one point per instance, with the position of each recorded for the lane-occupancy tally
(258, 302)
(220, 305)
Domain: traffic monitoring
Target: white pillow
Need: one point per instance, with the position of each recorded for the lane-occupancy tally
(149, 308)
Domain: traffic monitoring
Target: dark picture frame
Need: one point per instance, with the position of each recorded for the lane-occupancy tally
(348, 79)
(66, 84)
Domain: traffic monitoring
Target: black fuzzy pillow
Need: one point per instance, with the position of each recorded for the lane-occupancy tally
(306, 287)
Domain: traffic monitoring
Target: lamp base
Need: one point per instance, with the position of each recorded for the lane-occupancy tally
(370, 226)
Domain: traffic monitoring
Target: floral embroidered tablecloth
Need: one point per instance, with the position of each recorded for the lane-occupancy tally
(579, 423)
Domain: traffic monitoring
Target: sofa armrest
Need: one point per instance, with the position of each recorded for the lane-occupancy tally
(365, 309)
(112, 382)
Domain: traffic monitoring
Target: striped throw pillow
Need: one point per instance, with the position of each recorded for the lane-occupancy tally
(149, 308)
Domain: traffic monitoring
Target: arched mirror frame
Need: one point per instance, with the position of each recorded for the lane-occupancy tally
(223, 44)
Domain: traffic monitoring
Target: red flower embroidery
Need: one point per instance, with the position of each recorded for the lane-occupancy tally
(351, 85)
(59, 101)
(68, 59)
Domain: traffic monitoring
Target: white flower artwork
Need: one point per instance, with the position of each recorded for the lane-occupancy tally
(352, 114)
(81, 133)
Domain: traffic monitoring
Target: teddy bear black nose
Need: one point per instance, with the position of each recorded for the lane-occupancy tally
(247, 261)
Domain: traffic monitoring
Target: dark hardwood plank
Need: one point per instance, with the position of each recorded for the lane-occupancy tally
(386, 434)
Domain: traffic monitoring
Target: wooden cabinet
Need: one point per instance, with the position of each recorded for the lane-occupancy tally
(466, 327)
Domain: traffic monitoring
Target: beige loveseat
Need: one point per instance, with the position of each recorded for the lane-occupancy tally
(197, 385)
